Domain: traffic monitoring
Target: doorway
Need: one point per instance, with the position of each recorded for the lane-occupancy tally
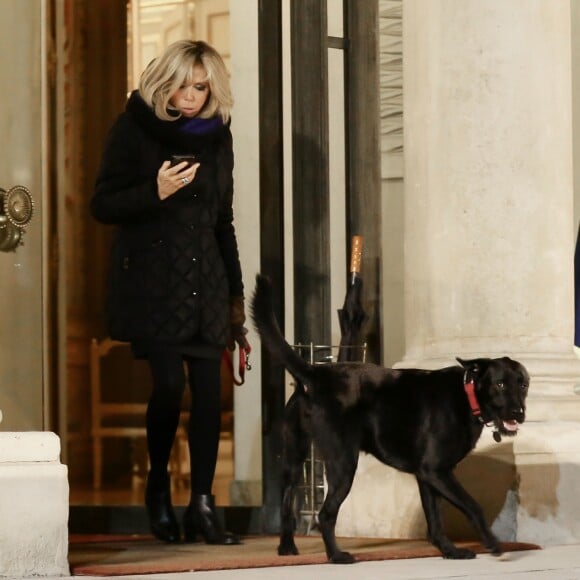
(107, 46)
(267, 46)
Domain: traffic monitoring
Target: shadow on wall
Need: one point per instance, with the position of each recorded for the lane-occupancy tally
(493, 482)
(527, 488)
(385, 503)
(502, 490)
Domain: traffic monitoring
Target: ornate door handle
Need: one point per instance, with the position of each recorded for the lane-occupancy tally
(16, 209)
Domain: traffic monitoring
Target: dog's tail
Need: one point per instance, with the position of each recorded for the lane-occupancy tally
(265, 322)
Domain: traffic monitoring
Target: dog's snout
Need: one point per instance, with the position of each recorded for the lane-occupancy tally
(519, 414)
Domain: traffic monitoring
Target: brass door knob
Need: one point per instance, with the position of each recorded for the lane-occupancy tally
(16, 209)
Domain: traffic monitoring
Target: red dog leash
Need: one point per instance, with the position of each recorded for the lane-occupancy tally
(243, 363)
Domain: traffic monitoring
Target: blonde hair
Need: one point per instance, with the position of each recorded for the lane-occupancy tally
(174, 68)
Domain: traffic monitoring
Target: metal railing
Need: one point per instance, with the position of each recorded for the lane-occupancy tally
(311, 491)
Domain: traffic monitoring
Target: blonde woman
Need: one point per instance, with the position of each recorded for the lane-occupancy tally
(176, 290)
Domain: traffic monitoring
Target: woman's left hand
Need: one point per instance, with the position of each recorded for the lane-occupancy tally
(171, 179)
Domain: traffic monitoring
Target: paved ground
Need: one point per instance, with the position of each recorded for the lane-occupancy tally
(557, 562)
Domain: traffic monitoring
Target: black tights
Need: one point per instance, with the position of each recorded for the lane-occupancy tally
(163, 411)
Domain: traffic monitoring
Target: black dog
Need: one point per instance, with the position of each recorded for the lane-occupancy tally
(418, 421)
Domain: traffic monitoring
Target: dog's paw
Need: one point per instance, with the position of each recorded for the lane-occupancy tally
(287, 550)
(459, 554)
(502, 556)
(342, 558)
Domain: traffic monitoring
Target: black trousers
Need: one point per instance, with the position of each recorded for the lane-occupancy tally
(169, 379)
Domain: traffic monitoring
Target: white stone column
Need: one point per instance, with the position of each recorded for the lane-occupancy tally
(489, 233)
(489, 245)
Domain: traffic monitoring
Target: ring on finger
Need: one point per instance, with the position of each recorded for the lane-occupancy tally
(185, 180)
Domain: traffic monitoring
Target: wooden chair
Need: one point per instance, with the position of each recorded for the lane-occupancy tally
(121, 418)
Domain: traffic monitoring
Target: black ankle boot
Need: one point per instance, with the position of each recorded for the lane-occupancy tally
(200, 517)
(164, 525)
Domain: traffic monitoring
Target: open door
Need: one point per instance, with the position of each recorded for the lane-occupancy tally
(23, 246)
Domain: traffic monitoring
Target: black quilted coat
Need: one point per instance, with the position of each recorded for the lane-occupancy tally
(174, 263)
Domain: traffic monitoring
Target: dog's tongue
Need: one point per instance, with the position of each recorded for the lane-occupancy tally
(510, 425)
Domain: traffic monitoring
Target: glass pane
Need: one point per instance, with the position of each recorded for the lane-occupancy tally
(335, 11)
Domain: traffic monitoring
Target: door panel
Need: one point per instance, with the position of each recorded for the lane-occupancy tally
(22, 122)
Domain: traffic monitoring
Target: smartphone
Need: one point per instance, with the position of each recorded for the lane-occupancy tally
(177, 159)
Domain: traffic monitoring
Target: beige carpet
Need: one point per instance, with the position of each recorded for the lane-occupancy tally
(116, 556)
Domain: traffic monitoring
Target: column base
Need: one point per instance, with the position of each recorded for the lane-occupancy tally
(34, 506)
(527, 486)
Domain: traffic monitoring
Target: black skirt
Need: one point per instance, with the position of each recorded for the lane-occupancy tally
(143, 348)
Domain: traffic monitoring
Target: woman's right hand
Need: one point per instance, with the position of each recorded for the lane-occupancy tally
(171, 179)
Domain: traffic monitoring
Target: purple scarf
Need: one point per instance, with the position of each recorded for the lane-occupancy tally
(197, 126)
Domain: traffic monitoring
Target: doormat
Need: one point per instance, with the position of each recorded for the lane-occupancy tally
(130, 555)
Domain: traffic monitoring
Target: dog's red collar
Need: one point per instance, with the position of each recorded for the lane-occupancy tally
(469, 387)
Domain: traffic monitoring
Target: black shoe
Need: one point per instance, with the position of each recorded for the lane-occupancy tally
(164, 525)
(200, 517)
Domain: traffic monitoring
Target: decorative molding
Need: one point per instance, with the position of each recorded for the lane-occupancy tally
(391, 87)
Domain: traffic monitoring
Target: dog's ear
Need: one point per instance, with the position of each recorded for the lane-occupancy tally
(470, 364)
(475, 368)
(473, 365)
